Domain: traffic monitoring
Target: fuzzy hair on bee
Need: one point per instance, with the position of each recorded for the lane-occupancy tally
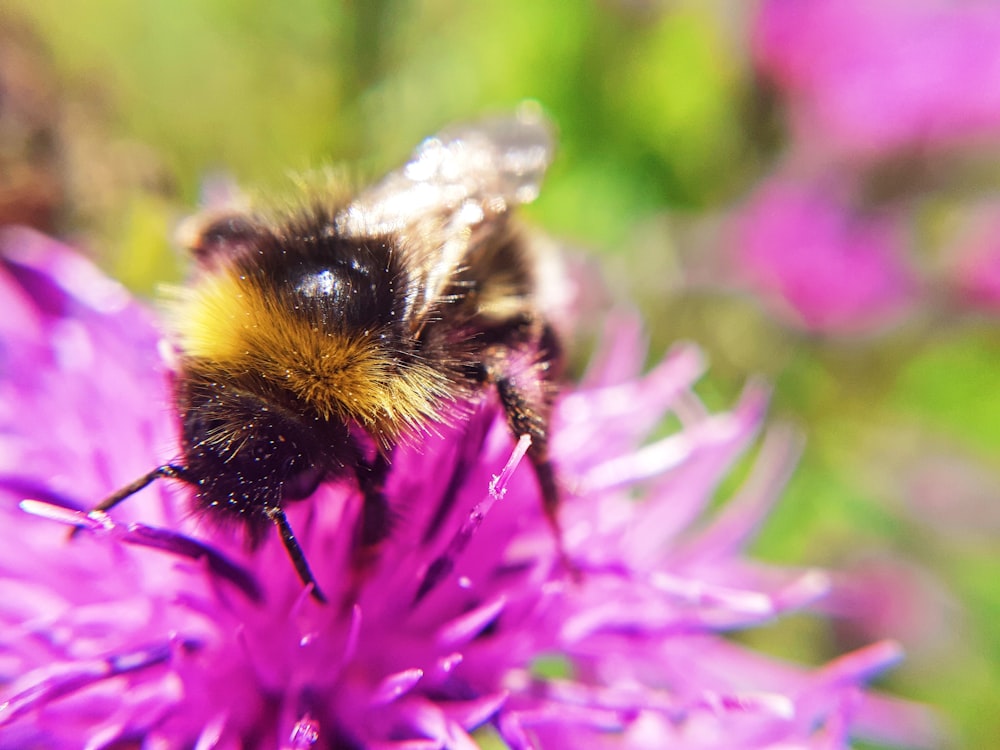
(312, 343)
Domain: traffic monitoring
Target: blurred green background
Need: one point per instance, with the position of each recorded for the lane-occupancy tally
(126, 108)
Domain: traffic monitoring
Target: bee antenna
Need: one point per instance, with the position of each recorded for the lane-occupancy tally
(277, 515)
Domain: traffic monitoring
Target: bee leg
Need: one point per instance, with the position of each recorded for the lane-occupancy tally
(376, 518)
(527, 413)
(527, 418)
(374, 525)
(277, 516)
(168, 471)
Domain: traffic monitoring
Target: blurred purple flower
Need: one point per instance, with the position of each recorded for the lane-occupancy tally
(169, 634)
(818, 264)
(975, 268)
(922, 612)
(869, 76)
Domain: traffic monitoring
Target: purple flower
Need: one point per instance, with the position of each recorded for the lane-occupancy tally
(869, 76)
(817, 263)
(975, 268)
(157, 629)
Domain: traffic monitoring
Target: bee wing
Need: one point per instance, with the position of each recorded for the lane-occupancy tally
(453, 189)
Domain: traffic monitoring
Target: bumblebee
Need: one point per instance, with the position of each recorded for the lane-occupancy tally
(312, 344)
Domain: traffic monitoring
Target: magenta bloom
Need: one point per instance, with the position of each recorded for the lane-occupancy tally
(157, 630)
(817, 264)
(869, 76)
(975, 270)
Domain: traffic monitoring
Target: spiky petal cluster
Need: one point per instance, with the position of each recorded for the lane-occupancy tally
(155, 629)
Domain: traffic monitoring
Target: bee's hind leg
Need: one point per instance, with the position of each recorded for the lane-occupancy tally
(376, 517)
(524, 378)
(374, 524)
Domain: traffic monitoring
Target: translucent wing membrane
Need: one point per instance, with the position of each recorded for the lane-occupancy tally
(455, 189)
(490, 165)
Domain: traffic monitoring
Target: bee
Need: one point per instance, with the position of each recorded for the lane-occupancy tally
(312, 344)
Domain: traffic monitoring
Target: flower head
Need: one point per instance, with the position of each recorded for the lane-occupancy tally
(870, 76)
(819, 264)
(153, 627)
(975, 261)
